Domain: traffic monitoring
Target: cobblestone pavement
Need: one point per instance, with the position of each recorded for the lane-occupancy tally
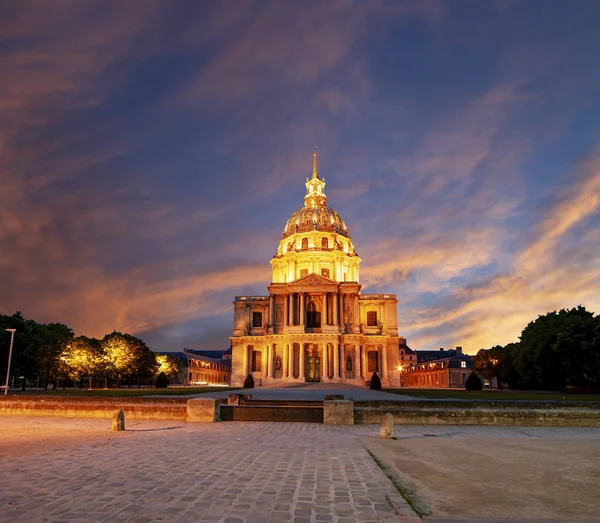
(226, 472)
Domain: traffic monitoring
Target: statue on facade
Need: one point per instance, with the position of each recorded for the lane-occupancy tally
(348, 315)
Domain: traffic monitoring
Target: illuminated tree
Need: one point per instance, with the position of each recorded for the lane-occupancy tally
(82, 358)
(168, 364)
(126, 355)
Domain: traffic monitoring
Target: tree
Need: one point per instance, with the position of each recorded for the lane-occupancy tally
(56, 337)
(168, 364)
(249, 382)
(473, 382)
(484, 364)
(375, 382)
(162, 382)
(82, 358)
(558, 349)
(127, 355)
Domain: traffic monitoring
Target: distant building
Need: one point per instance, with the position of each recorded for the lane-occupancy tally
(407, 356)
(198, 369)
(438, 369)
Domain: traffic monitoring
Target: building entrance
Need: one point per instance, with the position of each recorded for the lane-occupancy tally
(314, 369)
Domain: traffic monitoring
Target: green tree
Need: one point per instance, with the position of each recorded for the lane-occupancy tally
(82, 358)
(127, 356)
(168, 364)
(558, 349)
(56, 337)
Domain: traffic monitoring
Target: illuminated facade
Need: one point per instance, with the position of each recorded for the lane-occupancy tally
(315, 325)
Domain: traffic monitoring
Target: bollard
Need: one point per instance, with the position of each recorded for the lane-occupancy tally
(118, 422)
(387, 427)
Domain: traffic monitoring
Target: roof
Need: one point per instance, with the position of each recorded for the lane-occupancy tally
(407, 349)
(431, 355)
(209, 353)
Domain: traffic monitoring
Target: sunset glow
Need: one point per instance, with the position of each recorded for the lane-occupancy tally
(151, 153)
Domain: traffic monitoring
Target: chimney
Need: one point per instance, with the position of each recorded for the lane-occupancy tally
(442, 349)
(458, 350)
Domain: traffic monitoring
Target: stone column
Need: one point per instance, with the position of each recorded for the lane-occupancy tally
(356, 310)
(336, 320)
(271, 310)
(384, 370)
(363, 361)
(270, 363)
(291, 309)
(301, 311)
(325, 361)
(324, 315)
(264, 361)
(357, 369)
(245, 362)
(336, 361)
(285, 362)
(301, 363)
(291, 360)
(285, 310)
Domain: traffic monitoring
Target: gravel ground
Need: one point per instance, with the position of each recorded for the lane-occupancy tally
(549, 473)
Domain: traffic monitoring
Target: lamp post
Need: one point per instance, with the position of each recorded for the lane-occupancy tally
(12, 337)
(400, 374)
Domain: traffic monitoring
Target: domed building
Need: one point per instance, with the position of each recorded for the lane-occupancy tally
(315, 325)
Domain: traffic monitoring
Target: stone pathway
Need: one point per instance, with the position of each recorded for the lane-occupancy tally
(226, 472)
(222, 472)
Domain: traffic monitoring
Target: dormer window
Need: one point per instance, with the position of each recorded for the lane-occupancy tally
(324, 243)
(304, 244)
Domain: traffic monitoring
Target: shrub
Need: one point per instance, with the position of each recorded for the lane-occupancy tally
(162, 382)
(249, 382)
(375, 382)
(473, 382)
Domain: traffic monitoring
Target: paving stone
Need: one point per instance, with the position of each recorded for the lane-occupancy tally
(212, 472)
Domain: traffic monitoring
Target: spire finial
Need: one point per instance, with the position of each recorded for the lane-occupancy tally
(315, 169)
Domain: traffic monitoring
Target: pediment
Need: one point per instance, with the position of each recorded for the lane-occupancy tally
(312, 280)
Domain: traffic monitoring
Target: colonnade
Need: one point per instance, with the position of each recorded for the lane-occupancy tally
(333, 308)
(290, 367)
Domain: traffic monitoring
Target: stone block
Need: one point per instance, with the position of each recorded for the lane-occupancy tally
(338, 412)
(387, 426)
(203, 409)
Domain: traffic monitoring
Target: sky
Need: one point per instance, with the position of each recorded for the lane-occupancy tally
(151, 153)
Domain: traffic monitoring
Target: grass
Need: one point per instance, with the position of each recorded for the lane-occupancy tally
(494, 395)
(100, 393)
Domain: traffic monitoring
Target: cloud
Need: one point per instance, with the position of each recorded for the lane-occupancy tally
(495, 311)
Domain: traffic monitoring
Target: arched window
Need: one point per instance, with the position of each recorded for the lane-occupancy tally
(324, 243)
(304, 243)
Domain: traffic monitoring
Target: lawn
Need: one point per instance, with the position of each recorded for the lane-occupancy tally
(178, 391)
(494, 395)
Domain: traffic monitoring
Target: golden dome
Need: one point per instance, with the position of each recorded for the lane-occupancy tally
(316, 215)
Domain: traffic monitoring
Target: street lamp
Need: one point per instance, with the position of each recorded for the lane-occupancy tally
(12, 337)
(400, 374)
